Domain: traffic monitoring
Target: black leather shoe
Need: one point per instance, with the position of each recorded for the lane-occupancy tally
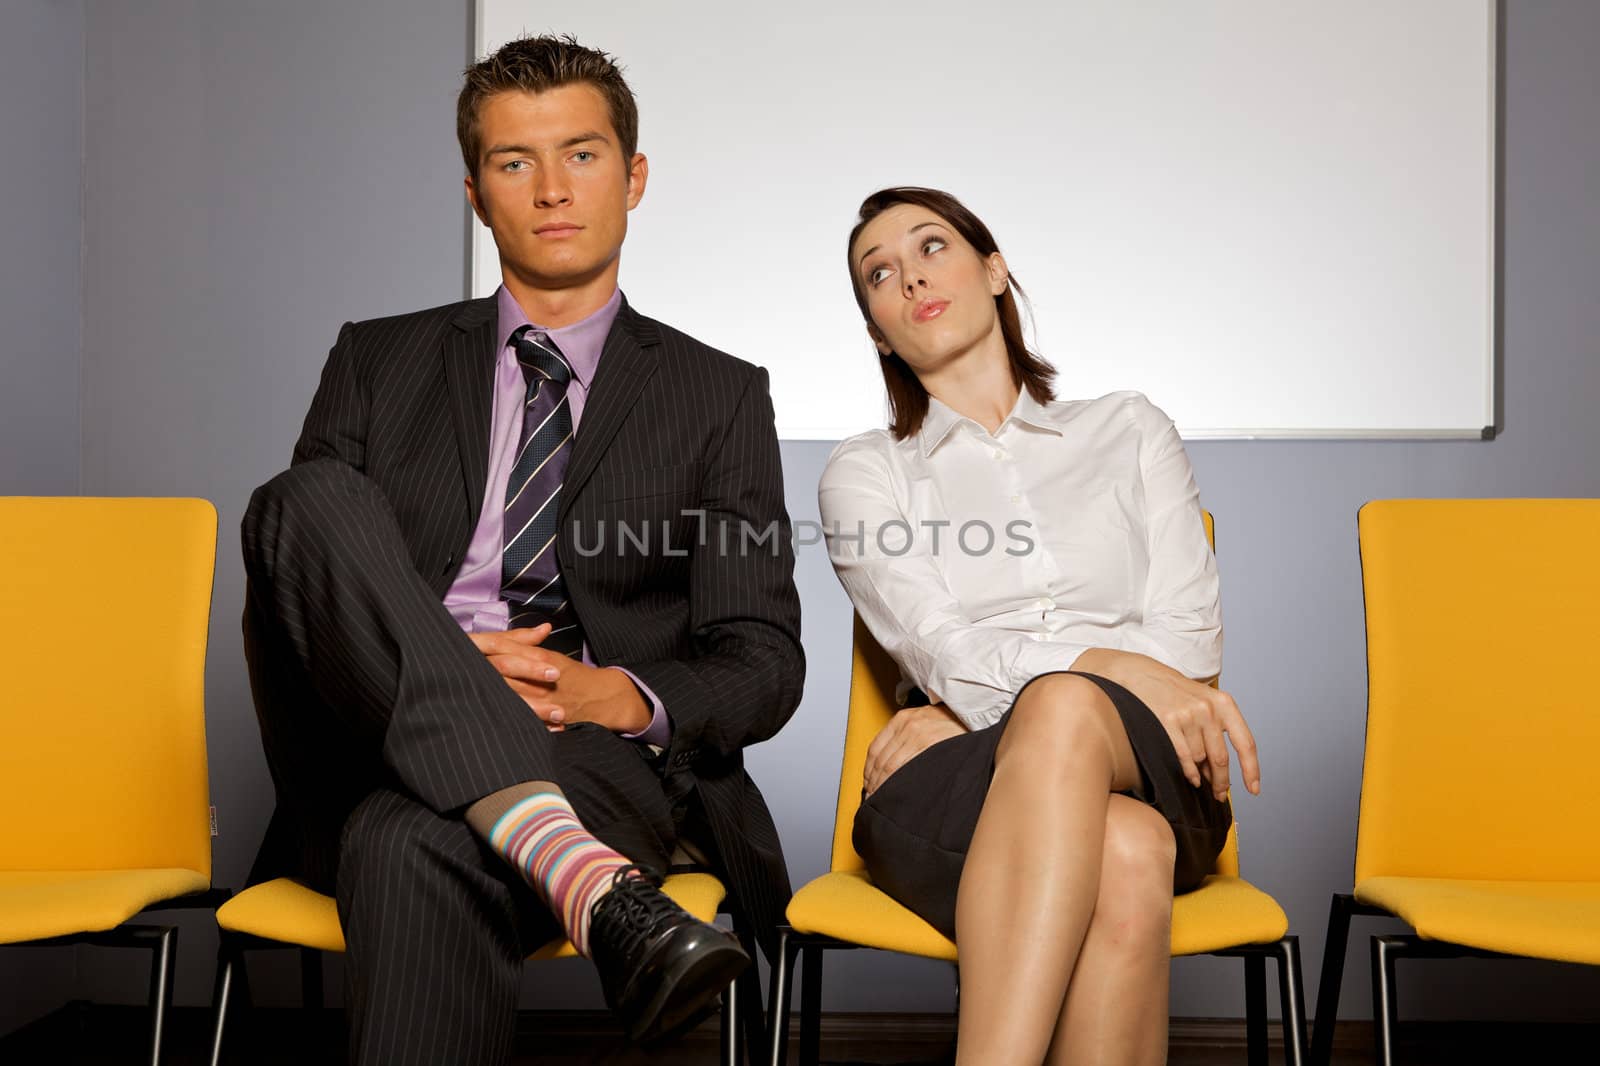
(662, 969)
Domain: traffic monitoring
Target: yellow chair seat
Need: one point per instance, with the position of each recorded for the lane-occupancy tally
(848, 906)
(289, 912)
(1540, 919)
(37, 905)
(286, 911)
(1223, 912)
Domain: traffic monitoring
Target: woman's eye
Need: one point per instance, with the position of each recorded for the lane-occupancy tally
(932, 244)
(877, 275)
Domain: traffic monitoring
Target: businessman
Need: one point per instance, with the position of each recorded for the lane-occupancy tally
(519, 604)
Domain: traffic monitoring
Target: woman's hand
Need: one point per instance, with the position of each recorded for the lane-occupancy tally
(909, 733)
(1197, 717)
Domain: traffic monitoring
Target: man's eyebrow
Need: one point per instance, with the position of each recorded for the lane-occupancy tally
(875, 247)
(523, 149)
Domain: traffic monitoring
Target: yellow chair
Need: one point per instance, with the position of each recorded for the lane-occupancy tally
(103, 785)
(842, 909)
(286, 914)
(1477, 820)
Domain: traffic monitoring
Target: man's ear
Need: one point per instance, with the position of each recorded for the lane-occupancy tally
(999, 274)
(638, 176)
(472, 198)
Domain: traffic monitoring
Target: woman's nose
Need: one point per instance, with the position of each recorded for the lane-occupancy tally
(914, 282)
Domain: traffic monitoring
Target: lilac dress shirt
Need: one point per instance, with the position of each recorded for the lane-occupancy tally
(473, 599)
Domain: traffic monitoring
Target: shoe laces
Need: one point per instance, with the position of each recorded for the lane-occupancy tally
(635, 908)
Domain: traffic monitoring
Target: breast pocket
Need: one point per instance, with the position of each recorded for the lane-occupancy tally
(682, 479)
(649, 512)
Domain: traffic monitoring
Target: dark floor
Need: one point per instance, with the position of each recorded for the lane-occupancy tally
(79, 1035)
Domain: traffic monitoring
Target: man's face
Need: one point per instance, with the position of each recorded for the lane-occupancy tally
(553, 185)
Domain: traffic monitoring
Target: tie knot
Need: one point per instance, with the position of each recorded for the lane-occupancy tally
(539, 355)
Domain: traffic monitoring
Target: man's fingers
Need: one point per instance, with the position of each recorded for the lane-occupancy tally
(538, 700)
(518, 664)
(510, 641)
(528, 636)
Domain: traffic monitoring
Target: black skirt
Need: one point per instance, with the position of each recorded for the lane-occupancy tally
(914, 831)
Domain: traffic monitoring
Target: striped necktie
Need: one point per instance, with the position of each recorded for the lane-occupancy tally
(530, 577)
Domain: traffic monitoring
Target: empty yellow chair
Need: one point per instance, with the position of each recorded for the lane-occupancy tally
(1226, 915)
(104, 798)
(1478, 813)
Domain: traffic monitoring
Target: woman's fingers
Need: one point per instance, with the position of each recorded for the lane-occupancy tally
(1216, 749)
(1180, 744)
(1244, 742)
(873, 771)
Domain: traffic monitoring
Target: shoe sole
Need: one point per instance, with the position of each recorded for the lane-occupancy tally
(685, 998)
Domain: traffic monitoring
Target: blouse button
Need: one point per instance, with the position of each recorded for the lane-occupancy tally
(1016, 499)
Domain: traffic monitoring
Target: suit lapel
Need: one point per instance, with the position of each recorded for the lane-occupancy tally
(469, 360)
(626, 363)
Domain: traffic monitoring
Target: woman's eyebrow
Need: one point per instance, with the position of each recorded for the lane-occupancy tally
(875, 247)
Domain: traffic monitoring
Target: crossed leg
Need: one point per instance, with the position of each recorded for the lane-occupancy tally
(1064, 907)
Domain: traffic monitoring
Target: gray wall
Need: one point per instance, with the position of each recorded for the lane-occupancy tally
(41, 232)
(259, 173)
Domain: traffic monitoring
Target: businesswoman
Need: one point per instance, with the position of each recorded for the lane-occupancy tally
(1039, 570)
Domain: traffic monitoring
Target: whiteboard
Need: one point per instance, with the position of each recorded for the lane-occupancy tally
(1277, 219)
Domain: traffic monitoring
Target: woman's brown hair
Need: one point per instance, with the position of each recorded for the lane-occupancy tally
(908, 400)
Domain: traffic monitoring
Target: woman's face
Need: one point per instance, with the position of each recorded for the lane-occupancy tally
(929, 292)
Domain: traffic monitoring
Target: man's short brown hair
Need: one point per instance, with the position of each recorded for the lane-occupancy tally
(536, 65)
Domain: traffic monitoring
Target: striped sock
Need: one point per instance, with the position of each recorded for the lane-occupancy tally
(541, 836)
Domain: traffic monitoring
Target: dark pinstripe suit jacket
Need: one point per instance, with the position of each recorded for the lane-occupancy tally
(670, 426)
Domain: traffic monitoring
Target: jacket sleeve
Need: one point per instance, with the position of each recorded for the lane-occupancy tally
(744, 680)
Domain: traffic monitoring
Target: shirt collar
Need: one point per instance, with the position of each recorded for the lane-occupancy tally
(941, 420)
(581, 342)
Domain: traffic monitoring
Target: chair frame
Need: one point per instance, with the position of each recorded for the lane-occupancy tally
(1385, 996)
(793, 944)
(162, 943)
(743, 1024)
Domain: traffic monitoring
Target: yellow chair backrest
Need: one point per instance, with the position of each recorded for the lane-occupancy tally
(104, 606)
(873, 677)
(1482, 725)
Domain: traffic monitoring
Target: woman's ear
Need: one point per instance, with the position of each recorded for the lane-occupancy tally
(999, 274)
(877, 340)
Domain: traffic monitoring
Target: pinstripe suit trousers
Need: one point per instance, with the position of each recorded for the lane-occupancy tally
(379, 715)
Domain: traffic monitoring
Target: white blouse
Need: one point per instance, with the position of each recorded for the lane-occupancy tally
(981, 561)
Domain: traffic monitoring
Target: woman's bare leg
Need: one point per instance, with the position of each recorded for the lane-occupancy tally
(1116, 1006)
(1032, 874)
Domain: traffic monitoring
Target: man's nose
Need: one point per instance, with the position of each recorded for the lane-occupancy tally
(553, 190)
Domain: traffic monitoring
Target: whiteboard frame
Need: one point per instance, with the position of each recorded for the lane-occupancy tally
(1495, 211)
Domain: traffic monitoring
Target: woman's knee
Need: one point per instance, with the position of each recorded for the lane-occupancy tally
(1060, 712)
(1137, 860)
